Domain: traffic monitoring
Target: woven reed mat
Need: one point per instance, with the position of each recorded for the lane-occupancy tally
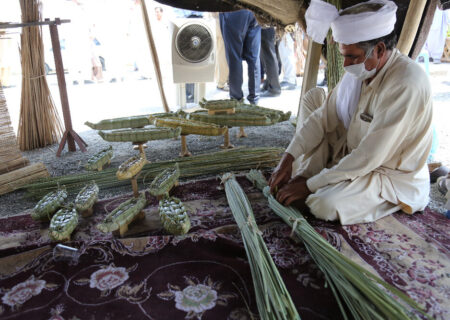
(10, 156)
(154, 276)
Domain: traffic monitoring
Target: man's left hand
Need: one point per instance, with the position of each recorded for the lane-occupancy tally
(295, 190)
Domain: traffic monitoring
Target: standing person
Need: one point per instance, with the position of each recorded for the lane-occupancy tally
(286, 51)
(360, 153)
(242, 37)
(438, 33)
(271, 86)
(221, 68)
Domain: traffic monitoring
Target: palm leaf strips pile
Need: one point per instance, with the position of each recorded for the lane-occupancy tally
(351, 284)
(211, 163)
(272, 298)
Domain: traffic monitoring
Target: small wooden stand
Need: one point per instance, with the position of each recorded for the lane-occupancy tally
(140, 146)
(184, 150)
(134, 185)
(226, 141)
(124, 228)
(241, 133)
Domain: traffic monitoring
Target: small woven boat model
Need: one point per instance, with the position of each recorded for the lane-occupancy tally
(118, 123)
(232, 120)
(173, 216)
(98, 160)
(179, 114)
(131, 167)
(191, 126)
(140, 135)
(164, 181)
(119, 219)
(276, 115)
(63, 223)
(219, 104)
(86, 199)
(49, 204)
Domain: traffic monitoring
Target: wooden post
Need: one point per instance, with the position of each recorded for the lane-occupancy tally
(241, 133)
(69, 135)
(151, 43)
(134, 185)
(184, 150)
(226, 140)
(411, 25)
(311, 70)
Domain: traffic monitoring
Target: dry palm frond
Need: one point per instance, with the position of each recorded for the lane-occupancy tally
(39, 123)
(211, 163)
(272, 298)
(352, 285)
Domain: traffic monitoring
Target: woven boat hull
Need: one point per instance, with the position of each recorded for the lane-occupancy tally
(63, 223)
(140, 135)
(191, 126)
(118, 123)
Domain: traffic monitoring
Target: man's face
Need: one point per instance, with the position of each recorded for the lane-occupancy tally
(353, 55)
(158, 12)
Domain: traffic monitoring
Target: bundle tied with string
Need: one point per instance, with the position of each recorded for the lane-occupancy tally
(39, 123)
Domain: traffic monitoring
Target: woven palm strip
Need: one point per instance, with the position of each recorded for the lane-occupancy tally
(232, 120)
(238, 159)
(335, 61)
(119, 123)
(10, 156)
(274, 114)
(39, 123)
(191, 126)
(139, 135)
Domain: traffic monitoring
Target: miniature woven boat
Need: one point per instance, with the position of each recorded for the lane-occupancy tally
(124, 214)
(140, 135)
(191, 126)
(276, 115)
(173, 216)
(131, 167)
(63, 223)
(49, 204)
(232, 120)
(219, 104)
(178, 114)
(164, 181)
(87, 197)
(98, 160)
(118, 123)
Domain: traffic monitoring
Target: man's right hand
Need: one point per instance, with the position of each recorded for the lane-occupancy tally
(282, 173)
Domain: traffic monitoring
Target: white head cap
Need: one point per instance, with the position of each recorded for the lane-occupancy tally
(350, 28)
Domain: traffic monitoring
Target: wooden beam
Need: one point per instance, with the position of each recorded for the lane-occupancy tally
(151, 43)
(311, 70)
(31, 24)
(411, 25)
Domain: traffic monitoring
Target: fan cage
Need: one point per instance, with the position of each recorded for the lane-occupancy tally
(194, 42)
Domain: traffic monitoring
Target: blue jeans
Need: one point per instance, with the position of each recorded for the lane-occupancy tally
(242, 38)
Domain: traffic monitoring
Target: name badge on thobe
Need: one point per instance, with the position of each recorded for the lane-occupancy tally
(366, 117)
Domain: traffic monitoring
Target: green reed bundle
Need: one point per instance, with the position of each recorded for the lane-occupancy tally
(356, 290)
(272, 298)
(335, 61)
(210, 163)
(39, 123)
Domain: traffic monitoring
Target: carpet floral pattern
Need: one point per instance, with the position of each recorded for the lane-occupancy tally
(205, 274)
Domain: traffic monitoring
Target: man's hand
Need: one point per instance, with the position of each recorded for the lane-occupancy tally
(295, 190)
(282, 173)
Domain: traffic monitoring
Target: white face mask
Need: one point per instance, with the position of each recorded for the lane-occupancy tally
(359, 70)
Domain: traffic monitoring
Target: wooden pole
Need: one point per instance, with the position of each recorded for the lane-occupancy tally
(69, 135)
(184, 150)
(151, 43)
(411, 25)
(311, 70)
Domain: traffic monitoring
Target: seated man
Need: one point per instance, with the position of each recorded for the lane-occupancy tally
(360, 153)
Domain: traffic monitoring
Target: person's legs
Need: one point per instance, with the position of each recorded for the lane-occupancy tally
(251, 50)
(286, 51)
(350, 202)
(221, 69)
(232, 24)
(269, 60)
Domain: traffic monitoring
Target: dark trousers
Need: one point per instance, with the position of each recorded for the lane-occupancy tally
(269, 60)
(242, 37)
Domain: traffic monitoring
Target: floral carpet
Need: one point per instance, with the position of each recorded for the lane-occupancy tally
(205, 274)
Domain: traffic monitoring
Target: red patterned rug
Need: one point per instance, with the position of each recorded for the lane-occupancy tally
(205, 274)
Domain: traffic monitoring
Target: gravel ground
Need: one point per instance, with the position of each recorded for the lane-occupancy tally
(72, 162)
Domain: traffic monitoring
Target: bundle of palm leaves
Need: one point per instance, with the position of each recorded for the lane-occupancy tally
(356, 290)
(272, 298)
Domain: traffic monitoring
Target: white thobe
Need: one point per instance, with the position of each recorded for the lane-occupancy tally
(375, 167)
